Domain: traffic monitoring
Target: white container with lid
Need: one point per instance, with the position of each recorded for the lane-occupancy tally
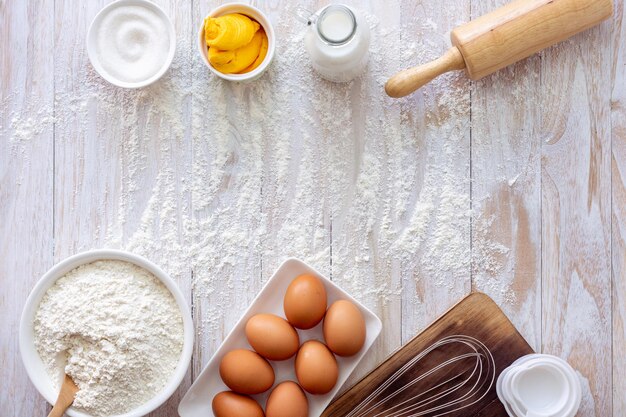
(337, 41)
(539, 385)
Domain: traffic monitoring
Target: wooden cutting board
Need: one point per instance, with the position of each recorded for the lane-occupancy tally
(476, 316)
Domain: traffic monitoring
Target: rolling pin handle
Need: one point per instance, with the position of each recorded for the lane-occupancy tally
(409, 80)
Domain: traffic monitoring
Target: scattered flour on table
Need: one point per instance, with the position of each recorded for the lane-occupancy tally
(115, 329)
(221, 181)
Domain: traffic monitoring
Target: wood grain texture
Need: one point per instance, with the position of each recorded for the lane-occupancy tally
(576, 211)
(436, 149)
(409, 80)
(112, 161)
(65, 398)
(235, 174)
(26, 183)
(520, 28)
(618, 205)
(506, 189)
(476, 316)
(496, 39)
(361, 249)
(375, 195)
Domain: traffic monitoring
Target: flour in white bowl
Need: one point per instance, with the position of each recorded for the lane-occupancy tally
(115, 329)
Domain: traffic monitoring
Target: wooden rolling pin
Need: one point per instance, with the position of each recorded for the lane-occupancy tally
(504, 36)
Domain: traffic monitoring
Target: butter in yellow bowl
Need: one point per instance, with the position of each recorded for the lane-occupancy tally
(236, 43)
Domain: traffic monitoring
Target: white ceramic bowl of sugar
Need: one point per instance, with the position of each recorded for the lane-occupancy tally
(134, 29)
(35, 367)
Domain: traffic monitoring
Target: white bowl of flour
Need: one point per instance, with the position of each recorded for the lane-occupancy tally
(116, 323)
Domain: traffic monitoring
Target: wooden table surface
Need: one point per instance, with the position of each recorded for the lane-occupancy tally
(514, 185)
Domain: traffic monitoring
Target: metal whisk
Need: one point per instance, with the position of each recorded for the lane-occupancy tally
(445, 394)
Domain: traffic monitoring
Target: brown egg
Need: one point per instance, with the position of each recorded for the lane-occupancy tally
(272, 337)
(316, 368)
(305, 301)
(344, 328)
(287, 400)
(230, 404)
(246, 372)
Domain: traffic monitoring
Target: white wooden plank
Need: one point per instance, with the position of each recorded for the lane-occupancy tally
(258, 180)
(296, 162)
(618, 214)
(130, 164)
(433, 176)
(226, 198)
(361, 136)
(122, 156)
(576, 207)
(26, 143)
(506, 189)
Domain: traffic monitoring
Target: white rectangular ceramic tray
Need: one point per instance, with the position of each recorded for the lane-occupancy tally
(197, 401)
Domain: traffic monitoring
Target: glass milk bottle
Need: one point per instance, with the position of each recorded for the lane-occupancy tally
(337, 41)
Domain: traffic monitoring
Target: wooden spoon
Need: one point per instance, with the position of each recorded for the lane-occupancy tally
(66, 397)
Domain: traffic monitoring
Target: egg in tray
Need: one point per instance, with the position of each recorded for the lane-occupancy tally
(273, 338)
